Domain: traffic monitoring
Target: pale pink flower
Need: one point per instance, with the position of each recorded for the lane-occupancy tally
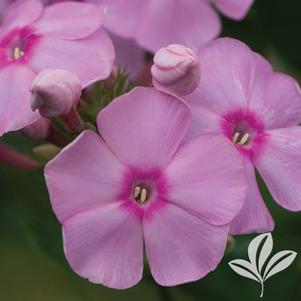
(64, 35)
(176, 70)
(259, 110)
(135, 188)
(157, 23)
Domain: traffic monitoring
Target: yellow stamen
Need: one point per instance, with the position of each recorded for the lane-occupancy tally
(140, 194)
(137, 191)
(143, 196)
(235, 137)
(244, 139)
(18, 53)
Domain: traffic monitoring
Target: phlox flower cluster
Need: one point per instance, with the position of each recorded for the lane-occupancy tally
(158, 175)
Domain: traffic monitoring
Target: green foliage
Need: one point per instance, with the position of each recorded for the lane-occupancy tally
(100, 94)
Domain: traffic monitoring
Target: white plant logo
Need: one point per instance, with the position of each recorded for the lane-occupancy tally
(259, 268)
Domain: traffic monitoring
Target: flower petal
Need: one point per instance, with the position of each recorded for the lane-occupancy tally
(235, 9)
(206, 177)
(105, 245)
(276, 96)
(227, 72)
(191, 23)
(280, 166)
(21, 13)
(144, 127)
(129, 56)
(254, 215)
(203, 122)
(96, 55)
(122, 17)
(84, 175)
(181, 247)
(70, 20)
(15, 111)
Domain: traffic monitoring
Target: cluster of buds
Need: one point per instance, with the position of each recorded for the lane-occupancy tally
(56, 95)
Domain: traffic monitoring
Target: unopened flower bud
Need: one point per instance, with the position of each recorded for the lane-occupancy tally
(54, 92)
(38, 130)
(176, 70)
(13, 158)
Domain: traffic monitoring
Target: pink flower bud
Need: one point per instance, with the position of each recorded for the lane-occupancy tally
(54, 92)
(38, 130)
(176, 70)
(13, 158)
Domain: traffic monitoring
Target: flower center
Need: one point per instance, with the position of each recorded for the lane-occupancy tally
(141, 194)
(246, 130)
(242, 128)
(17, 45)
(242, 132)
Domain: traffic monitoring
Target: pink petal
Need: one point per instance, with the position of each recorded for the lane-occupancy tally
(21, 13)
(105, 245)
(70, 20)
(227, 67)
(235, 9)
(191, 23)
(254, 215)
(181, 247)
(96, 55)
(280, 166)
(84, 175)
(276, 96)
(3, 5)
(203, 122)
(129, 56)
(144, 127)
(206, 177)
(122, 17)
(15, 111)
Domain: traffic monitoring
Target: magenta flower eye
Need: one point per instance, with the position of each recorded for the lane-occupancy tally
(246, 130)
(18, 43)
(143, 190)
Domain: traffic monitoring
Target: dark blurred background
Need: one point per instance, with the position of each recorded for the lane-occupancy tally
(32, 265)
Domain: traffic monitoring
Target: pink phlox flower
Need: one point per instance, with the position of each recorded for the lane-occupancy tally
(259, 111)
(136, 189)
